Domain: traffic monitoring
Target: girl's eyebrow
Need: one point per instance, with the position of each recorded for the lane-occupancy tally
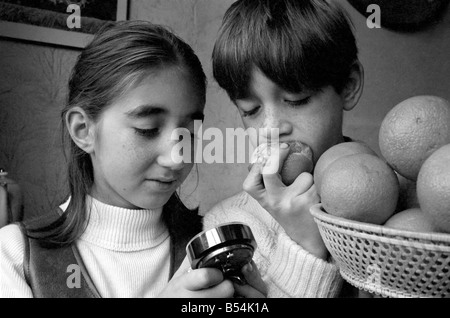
(146, 111)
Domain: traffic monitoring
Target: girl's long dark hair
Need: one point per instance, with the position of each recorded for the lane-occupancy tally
(119, 56)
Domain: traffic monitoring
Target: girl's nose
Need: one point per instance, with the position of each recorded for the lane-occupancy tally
(169, 156)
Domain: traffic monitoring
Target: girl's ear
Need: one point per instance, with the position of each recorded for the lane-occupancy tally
(354, 88)
(81, 129)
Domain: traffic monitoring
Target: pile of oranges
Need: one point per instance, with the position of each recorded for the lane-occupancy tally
(408, 186)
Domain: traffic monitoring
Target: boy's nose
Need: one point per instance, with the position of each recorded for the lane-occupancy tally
(277, 120)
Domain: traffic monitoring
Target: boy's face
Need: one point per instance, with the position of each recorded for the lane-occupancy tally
(314, 118)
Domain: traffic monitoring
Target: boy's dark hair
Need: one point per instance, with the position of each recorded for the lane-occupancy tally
(299, 45)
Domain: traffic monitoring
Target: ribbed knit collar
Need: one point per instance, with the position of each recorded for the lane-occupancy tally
(125, 230)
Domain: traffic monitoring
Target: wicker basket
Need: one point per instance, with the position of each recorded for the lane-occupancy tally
(385, 261)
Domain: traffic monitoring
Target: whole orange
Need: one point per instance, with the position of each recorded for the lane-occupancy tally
(336, 152)
(360, 187)
(412, 131)
(413, 219)
(433, 188)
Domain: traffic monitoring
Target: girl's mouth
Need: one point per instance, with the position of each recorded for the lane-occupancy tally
(162, 184)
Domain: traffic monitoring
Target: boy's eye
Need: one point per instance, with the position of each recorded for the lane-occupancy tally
(250, 112)
(299, 102)
(149, 133)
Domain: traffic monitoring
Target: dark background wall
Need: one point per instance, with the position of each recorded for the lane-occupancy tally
(33, 79)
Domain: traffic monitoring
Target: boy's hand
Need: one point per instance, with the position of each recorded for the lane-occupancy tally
(289, 205)
(255, 287)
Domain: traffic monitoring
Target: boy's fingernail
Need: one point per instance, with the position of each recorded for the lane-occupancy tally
(249, 267)
(284, 146)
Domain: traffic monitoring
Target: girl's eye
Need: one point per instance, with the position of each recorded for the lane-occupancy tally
(250, 112)
(149, 133)
(300, 102)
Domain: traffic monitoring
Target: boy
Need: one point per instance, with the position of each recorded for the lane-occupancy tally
(290, 65)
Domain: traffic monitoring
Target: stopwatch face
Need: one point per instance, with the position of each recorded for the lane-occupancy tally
(227, 246)
(231, 258)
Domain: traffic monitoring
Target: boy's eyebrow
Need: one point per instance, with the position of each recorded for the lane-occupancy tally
(146, 111)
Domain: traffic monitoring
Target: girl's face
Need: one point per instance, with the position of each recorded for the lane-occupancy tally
(314, 118)
(133, 167)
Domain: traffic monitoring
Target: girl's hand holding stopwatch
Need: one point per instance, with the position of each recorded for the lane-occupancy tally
(211, 283)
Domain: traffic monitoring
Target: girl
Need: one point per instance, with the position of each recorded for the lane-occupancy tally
(123, 230)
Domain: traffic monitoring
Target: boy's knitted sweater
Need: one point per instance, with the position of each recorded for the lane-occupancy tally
(286, 268)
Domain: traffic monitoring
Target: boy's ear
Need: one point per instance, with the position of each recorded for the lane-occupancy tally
(354, 88)
(81, 129)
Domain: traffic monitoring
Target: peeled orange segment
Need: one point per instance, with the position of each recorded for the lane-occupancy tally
(295, 164)
(300, 159)
(412, 131)
(267, 155)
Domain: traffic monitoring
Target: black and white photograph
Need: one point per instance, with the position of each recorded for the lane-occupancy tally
(210, 150)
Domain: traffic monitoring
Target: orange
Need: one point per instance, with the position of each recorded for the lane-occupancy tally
(360, 187)
(412, 131)
(411, 220)
(336, 152)
(299, 159)
(433, 188)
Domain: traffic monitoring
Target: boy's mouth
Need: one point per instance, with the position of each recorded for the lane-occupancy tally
(295, 146)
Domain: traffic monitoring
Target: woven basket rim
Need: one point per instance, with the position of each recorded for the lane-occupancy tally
(347, 238)
(318, 212)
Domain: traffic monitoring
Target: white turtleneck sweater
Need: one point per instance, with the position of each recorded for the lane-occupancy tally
(126, 252)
